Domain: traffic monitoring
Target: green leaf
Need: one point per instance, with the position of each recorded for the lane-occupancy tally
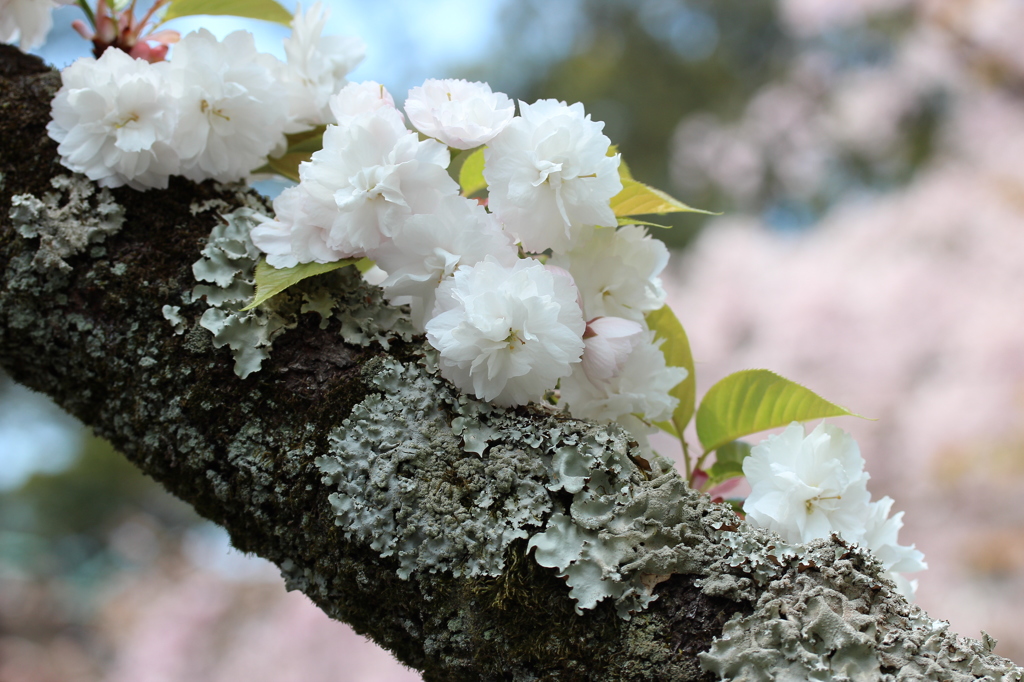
(756, 400)
(271, 281)
(268, 10)
(287, 164)
(634, 221)
(624, 172)
(676, 349)
(471, 175)
(301, 147)
(728, 462)
(311, 140)
(668, 428)
(637, 198)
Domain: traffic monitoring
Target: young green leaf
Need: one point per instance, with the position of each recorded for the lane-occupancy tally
(676, 349)
(624, 172)
(756, 400)
(287, 164)
(471, 175)
(301, 147)
(668, 428)
(728, 462)
(271, 281)
(311, 140)
(268, 10)
(637, 198)
(634, 221)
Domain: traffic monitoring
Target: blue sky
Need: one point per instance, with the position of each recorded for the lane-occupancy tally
(407, 40)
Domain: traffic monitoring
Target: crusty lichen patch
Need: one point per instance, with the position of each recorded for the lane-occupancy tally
(406, 486)
(227, 282)
(831, 616)
(66, 220)
(226, 273)
(445, 482)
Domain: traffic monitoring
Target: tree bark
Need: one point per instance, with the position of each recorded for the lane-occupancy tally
(91, 335)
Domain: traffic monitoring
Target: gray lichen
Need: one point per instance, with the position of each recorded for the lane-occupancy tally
(67, 220)
(747, 560)
(406, 486)
(227, 272)
(172, 313)
(831, 616)
(626, 531)
(365, 316)
(228, 269)
(445, 482)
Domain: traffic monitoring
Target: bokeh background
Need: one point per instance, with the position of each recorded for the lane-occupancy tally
(868, 159)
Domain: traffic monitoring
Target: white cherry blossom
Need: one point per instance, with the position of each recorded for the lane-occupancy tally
(298, 233)
(880, 536)
(617, 271)
(359, 98)
(609, 342)
(640, 387)
(429, 247)
(27, 21)
(233, 112)
(460, 114)
(114, 121)
(316, 67)
(548, 175)
(807, 487)
(810, 487)
(506, 334)
(377, 173)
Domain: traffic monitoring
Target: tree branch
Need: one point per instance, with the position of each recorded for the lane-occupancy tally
(84, 325)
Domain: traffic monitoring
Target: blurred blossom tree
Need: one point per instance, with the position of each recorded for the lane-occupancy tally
(642, 67)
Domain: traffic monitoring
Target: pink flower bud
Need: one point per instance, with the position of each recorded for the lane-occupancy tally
(82, 29)
(143, 50)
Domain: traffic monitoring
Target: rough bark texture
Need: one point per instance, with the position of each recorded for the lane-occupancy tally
(242, 452)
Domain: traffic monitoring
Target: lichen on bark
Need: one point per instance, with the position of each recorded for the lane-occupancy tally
(243, 452)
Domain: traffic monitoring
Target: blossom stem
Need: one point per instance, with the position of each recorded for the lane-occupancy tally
(84, 4)
(686, 453)
(703, 456)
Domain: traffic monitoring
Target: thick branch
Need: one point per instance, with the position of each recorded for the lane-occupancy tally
(243, 453)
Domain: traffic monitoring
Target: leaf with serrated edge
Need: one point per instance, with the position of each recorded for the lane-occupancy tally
(757, 400)
(637, 198)
(267, 10)
(271, 281)
(676, 350)
(471, 175)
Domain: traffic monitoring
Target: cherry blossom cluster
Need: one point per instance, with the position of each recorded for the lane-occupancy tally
(215, 110)
(810, 486)
(536, 291)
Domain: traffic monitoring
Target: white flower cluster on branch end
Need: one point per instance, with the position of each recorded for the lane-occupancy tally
(216, 110)
(507, 294)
